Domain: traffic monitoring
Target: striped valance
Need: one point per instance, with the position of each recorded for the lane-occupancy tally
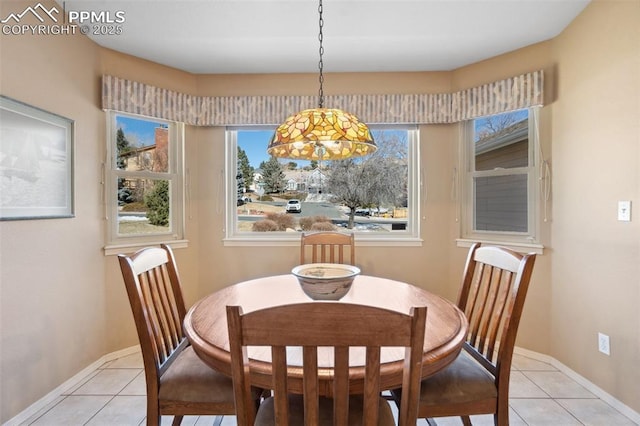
(133, 97)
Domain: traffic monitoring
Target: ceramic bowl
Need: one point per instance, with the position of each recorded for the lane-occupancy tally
(325, 281)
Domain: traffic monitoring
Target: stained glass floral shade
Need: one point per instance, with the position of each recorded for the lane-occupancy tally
(321, 134)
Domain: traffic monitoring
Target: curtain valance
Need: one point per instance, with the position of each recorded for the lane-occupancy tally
(522, 91)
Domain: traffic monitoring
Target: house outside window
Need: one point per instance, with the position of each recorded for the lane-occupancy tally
(144, 196)
(376, 197)
(499, 179)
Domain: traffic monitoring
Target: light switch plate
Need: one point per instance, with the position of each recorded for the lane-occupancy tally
(624, 211)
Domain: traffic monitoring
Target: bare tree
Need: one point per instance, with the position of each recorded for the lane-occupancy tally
(376, 180)
(497, 123)
(346, 184)
(388, 171)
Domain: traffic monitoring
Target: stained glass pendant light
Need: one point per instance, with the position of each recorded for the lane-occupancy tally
(321, 133)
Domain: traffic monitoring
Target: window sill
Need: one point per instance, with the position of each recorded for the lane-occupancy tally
(132, 247)
(518, 247)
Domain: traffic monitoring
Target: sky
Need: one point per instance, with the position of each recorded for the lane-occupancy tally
(255, 143)
(139, 132)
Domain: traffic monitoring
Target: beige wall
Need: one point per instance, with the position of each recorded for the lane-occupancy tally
(596, 147)
(63, 304)
(53, 307)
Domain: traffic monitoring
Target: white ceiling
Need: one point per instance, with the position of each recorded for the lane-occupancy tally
(274, 36)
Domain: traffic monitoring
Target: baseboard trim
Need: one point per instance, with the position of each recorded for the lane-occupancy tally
(74, 381)
(594, 389)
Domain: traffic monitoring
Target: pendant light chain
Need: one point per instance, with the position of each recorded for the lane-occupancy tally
(320, 64)
(321, 134)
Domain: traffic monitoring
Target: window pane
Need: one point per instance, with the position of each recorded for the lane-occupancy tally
(502, 141)
(364, 194)
(141, 144)
(501, 203)
(143, 206)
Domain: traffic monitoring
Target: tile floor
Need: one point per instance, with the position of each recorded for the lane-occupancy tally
(540, 395)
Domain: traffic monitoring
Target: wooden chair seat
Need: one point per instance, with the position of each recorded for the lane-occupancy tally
(266, 413)
(462, 382)
(190, 381)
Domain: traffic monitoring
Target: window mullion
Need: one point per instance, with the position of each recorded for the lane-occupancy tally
(145, 175)
(503, 172)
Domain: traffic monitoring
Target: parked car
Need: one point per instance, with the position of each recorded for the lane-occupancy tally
(293, 206)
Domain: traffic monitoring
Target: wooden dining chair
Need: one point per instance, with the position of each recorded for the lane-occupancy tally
(178, 382)
(327, 247)
(492, 296)
(337, 325)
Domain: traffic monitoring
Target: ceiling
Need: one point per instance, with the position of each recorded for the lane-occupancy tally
(281, 36)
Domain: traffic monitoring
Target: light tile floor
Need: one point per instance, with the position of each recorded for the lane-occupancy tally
(114, 395)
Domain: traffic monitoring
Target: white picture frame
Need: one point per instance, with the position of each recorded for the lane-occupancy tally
(36, 163)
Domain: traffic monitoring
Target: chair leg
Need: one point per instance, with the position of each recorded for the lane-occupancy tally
(501, 416)
(153, 414)
(177, 421)
(431, 422)
(466, 421)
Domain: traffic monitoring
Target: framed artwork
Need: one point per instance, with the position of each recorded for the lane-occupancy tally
(36, 163)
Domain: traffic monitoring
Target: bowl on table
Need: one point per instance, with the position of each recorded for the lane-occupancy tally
(325, 281)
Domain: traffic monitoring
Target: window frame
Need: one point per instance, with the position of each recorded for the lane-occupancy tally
(117, 243)
(412, 237)
(520, 241)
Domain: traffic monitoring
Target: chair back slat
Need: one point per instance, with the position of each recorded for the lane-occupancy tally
(327, 247)
(341, 386)
(502, 306)
(488, 313)
(372, 387)
(492, 297)
(167, 305)
(166, 326)
(279, 362)
(339, 326)
(167, 337)
(148, 286)
(310, 379)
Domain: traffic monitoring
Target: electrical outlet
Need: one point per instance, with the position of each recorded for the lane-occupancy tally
(603, 344)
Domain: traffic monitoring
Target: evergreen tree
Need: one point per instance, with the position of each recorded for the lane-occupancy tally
(272, 176)
(245, 169)
(122, 145)
(157, 201)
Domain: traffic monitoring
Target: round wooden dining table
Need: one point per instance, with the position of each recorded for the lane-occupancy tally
(206, 328)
